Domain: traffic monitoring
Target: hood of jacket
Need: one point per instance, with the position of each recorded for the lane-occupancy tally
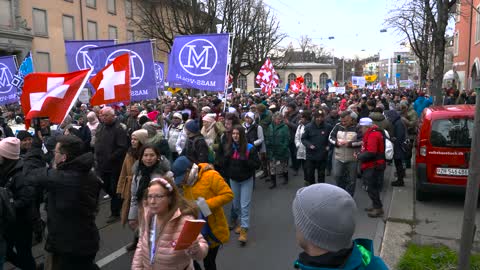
(376, 116)
(392, 115)
(156, 138)
(83, 163)
(203, 167)
(161, 168)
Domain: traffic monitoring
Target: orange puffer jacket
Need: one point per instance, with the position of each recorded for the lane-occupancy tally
(166, 258)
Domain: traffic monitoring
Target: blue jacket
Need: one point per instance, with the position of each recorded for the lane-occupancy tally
(421, 103)
(362, 257)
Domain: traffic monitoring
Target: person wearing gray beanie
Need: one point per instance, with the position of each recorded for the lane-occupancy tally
(324, 217)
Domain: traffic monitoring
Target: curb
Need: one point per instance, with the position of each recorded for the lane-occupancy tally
(399, 222)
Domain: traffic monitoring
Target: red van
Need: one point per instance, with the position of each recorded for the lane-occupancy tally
(443, 149)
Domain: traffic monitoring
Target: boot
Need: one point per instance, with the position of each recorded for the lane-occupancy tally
(133, 245)
(243, 236)
(238, 229)
(285, 178)
(376, 212)
(398, 183)
(368, 209)
(273, 179)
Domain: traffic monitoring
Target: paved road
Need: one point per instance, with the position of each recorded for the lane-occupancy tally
(271, 236)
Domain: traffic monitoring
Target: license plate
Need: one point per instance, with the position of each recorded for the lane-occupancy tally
(452, 171)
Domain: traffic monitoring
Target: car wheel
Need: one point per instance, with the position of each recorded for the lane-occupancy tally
(421, 195)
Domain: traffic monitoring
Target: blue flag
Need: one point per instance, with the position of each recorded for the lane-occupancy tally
(142, 68)
(8, 68)
(76, 52)
(199, 61)
(160, 75)
(25, 68)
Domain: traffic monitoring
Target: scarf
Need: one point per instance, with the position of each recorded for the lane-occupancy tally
(144, 180)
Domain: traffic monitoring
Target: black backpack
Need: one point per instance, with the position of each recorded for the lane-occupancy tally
(7, 204)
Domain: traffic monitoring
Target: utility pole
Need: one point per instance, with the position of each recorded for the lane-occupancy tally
(343, 69)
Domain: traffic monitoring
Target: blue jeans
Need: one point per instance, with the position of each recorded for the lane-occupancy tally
(346, 175)
(242, 196)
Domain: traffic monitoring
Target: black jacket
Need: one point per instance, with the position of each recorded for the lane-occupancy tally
(399, 134)
(72, 196)
(111, 145)
(241, 169)
(196, 149)
(316, 135)
(292, 124)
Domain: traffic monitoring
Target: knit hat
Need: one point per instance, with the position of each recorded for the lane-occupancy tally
(177, 115)
(141, 134)
(23, 134)
(325, 215)
(10, 148)
(206, 109)
(179, 168)
(365, 121)
(216, 102)
(193, 126)
(209, 117)
(250, 115)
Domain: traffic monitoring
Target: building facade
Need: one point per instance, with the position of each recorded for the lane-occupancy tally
(466, 44)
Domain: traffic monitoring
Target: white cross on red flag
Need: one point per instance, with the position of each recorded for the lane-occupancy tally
(112, 83)
(267, 77)
(51, 95)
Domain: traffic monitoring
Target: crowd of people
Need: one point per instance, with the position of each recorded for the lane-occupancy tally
(183, 157)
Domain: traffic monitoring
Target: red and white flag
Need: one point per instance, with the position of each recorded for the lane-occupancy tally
(295, 86)
(51, 95)
(267, 77)
(112, 83)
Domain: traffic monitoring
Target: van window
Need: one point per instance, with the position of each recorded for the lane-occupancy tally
(455, 132)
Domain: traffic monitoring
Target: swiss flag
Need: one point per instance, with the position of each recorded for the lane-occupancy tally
(112, 83)
(267, 77)
(51, 95)
(294, 86)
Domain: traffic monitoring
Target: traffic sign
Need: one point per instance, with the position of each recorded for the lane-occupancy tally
(397, 75)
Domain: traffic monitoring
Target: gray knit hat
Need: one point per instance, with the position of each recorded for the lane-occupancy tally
(325, 214)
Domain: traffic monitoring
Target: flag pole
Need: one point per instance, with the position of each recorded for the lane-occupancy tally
(229, 65)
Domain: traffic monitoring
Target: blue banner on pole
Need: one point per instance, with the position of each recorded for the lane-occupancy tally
(76, 52)
(142, 71)
(8, 68)
(160, 74)
(199, 61)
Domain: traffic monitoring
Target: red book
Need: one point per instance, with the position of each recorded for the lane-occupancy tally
(191, 230)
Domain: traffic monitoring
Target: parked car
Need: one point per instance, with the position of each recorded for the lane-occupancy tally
(443, 149)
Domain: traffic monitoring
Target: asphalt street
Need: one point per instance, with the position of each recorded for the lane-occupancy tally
(271, 243)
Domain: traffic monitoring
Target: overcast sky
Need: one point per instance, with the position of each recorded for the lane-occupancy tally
(355, 24)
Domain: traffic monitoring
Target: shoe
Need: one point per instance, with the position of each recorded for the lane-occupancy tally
(106, 197)
(376, 212)
(132, 246)
(113, 219)
(238, 229)
(233, 225)
(273, 179)
(285, 178)
(398, 183)
(368, 209)
(243, 236)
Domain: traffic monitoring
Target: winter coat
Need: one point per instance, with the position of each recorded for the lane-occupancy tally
(399, 135)
(301, 150)
(213, 188)
(161, 169)
(111, 144)
(72, 195)
(124, 186)
(241, 168)
(380, 121)
(293, 123)
(362, 251)
(421, 103)
(196, 149)
(316, 135)
(93, 130)
(85, 135)
(132, 125)
(173, 135)
(410, 119)
(161, 143)
(209, 133)
(349, 134)
(254, 134)
(373, 149)
(265, 119)
(277, 141)
(166, 258)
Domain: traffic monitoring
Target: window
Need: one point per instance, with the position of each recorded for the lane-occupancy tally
(42, 63)
(242, 82)
(130, 36)
(111, 7)
(477, 25)
(6, 12)
(92, 30)
(308, 79)
(455, 132)
(71, 1)
(291, 77)
(112, 32)
(68, 27)
(91, 3)
(40, 22)
(455, 43)
(128, 8)
(323, 80)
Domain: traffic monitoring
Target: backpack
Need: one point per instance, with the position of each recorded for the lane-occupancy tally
(388, 145)
(7, 203)
(211, 153)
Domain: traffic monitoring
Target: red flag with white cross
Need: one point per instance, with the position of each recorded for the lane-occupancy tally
(51, 95)
(267, 77)
(112, 83)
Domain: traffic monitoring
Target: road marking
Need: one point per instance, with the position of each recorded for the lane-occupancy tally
(112, 257)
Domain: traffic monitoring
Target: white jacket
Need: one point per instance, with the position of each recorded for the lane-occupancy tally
(301, 150)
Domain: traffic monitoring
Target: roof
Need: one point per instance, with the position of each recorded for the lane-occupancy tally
(310, 65)
(452, 110)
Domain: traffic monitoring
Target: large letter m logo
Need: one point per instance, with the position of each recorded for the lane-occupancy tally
(4, 78)
(196, 58)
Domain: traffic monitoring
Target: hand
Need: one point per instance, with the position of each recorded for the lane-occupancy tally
(133, 223)
(355, 155)
(194, 248)
(312, 147)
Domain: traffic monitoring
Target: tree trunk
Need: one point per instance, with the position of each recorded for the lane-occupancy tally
(439, 54)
